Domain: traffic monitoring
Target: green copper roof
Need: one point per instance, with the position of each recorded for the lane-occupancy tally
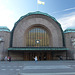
(4, 28)
(35, 13)
(37, 48)
(38, 12)
(69, 30)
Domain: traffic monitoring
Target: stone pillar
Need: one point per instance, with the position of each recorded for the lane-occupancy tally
(1, 50)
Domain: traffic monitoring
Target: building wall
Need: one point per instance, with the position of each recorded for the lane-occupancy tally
(23, 26)
(57, 54)
(4, 44)
(19, 35)
(69, 44)
(16, 55)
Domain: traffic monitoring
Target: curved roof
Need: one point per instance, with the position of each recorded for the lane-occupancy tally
(4, 28)
(34, 13)
(69, 30)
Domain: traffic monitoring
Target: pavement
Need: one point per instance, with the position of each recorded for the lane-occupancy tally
(63, 67)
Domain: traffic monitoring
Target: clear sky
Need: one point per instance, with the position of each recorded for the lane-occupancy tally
(62, 10)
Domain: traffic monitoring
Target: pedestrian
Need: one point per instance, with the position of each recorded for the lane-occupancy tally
(44, 57)
(35, 58)
(61, 58)
(6, 58)
(40, 58)
(9, 58)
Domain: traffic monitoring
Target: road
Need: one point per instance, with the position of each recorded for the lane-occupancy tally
(65, 67)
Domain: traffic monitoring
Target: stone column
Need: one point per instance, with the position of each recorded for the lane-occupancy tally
(1, 50)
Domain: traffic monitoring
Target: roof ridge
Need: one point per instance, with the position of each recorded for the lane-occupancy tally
(4, 28)
(69, 30)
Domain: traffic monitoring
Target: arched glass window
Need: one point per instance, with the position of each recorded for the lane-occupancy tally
(37, 37)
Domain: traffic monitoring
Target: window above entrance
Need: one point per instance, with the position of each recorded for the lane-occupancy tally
(37, 37)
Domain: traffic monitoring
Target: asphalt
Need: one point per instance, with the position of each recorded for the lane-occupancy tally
(63, 67)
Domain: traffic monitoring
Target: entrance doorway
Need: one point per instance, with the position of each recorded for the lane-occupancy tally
(40, 55)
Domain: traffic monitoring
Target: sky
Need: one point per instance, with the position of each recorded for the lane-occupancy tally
(62, 10)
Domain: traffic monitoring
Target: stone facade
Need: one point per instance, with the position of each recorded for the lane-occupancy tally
(35, 20)
(4, 41)
(70, 42)
(57, 38)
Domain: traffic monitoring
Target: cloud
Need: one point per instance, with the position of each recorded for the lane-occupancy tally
(65, 10)
(67, 21)
(6, 17)
(69, 9)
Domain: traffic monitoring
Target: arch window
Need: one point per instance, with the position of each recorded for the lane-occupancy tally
(37, 37)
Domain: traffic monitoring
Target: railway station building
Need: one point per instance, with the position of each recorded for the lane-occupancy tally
(37, 34)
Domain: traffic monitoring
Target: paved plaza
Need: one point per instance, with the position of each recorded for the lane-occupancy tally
(37, 68)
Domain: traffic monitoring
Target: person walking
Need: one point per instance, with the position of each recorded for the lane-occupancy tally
(6, 58)
(9, 58)
(35, 58)
(40, 58)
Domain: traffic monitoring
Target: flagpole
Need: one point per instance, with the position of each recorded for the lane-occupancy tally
(39, 2)
(37, 5)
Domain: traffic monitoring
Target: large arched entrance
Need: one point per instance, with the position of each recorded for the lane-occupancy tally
(37, 37)
(37, 34)
(41, 55)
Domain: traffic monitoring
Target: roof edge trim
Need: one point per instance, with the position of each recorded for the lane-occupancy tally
(36, 13)
(69, 30)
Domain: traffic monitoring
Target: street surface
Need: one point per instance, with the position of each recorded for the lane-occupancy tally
(63, 67)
